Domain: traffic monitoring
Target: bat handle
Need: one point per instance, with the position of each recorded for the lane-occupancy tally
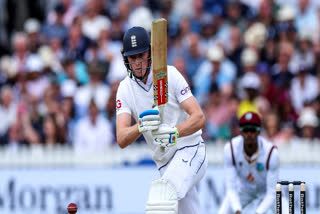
(161, 110)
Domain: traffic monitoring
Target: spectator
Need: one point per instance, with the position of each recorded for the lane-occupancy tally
(51, 62)
(57, 48)
(255, 35)
(74, 70)
(286, 14)
(234, 47)
(93, 23)
(56, 29)
(304, 52)
(36, 115)
(92, 56)
(104, 7)
(216, 69)
(307, 123)
(15, 138)
(269, 50)
(76, 43)
(249, 61)
(20, 53)
(29, 134)
(284, 107)
(111, 106)
(180, 64)
(268, 88)
(123, 12)
(93, 133)
(183, 7)
(166, 11)
(117, 71)
(32, 28)
(69, 13)
(220, 113)
(207, 32)
(108, 49)
(221, 28)
(306, 13)
(95, 89)
(37, 81)
(140, 16)
(197, 15)
(178, 41)
(51, 133)
(276, 133)
(286, 28)
(117, 28)
(68, 90)
(192, 55)
(281, 71)
(249, 89)
(8, 110)
(265, 13)
(272, 130)
(304, 88)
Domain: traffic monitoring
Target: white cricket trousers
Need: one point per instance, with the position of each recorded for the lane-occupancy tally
(184, 171)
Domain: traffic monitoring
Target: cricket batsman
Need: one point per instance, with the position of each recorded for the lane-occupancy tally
(251, 165)
(174, 137)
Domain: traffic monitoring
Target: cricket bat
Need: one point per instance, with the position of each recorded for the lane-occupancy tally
(159, 63)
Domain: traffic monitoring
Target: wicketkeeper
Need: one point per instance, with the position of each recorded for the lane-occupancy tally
(251, 165)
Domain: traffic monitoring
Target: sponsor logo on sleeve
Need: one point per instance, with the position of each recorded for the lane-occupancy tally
(118, 104)
(185, 90)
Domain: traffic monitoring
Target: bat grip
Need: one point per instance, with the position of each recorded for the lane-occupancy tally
(161, 110)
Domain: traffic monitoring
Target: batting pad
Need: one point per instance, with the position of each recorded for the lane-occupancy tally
(162, 198)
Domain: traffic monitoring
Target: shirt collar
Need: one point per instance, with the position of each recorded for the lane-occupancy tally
(149, 82)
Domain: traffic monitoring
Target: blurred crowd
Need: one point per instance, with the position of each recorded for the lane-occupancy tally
(61, 64)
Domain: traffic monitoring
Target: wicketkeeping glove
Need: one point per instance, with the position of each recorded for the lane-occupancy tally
(149, 120)
(165, 136)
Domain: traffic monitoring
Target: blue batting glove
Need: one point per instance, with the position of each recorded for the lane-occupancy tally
(149, 120)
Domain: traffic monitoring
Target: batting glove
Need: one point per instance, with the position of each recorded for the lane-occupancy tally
(165, 136)
(149, 120)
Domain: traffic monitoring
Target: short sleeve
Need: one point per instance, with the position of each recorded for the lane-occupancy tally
(182, 89)
(122, 100)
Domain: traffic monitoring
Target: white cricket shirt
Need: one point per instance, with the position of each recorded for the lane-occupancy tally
(134, 98)
(247, 181)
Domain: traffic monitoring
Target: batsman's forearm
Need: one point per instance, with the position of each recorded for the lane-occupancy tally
(192, 124)
(128, 135)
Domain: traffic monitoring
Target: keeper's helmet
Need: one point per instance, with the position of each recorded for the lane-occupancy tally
(135, 41)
